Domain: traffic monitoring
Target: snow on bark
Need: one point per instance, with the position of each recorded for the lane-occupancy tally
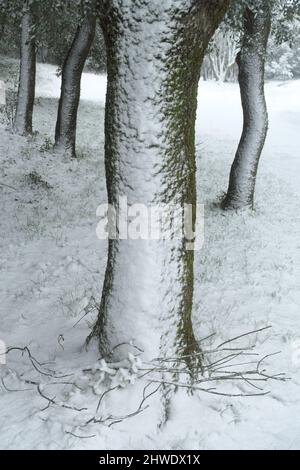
(65, 132)
(155, 50)
(251, 63)
(26, 90)
(2, 93)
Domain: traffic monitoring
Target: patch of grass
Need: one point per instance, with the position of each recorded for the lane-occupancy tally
(34, 179)
(47, 146)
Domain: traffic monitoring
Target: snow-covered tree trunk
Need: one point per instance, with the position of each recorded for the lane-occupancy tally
(155, 50)
(223, 55)
(65, 132)
(251, 63)
(26, 91)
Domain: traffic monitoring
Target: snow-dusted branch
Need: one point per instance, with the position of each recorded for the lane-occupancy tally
(226, 363)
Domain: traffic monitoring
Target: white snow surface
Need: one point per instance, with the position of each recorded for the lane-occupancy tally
(93, 87)
(52, 267)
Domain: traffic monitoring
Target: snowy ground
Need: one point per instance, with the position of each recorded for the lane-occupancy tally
(52, 266)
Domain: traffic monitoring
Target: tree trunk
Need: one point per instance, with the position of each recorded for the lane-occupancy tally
(26, 91)
(251, 63)
(65, 132)
(155, 50)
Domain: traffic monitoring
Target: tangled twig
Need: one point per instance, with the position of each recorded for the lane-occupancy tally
(51, 401)
(222, 364)
(36, 364)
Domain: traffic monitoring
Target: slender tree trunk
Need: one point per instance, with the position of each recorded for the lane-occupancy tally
(155, 50)
(65, 132)
(251, 63)
(3, 17)
(26, 91)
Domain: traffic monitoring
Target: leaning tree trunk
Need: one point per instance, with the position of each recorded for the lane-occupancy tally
(155, 50)
(65, 132)
(251, 63)
(26, 91)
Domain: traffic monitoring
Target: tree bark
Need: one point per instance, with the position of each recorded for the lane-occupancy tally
(251, 63)
(65, 132)
(26, 91)
(154, 50)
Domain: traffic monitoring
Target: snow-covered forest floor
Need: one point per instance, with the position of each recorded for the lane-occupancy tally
(52, 267)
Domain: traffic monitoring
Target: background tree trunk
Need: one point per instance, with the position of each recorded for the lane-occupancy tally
(26, 91)
(251, 63)
(65, 132)
(222, 57)
(155, 50)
